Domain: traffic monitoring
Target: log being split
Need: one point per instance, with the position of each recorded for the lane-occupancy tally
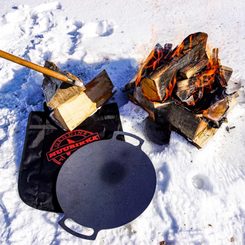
(71, 105)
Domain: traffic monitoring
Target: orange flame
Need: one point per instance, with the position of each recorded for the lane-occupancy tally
(170, 88)
(204, 82)
(182, 47)
(208, 80)
(151, 63)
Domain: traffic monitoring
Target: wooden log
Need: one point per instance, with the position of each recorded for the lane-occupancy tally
(196, 128)
(139, 99)
(194, 68)
(193, 89)
(217, 111)
(179, 117)
(184, 89)
(215, 56)
(72, 112)
(57, 93)
(189, 51)
(226, 72)
(63, 94)
(155, 58)
(149, 90)
(187, 88)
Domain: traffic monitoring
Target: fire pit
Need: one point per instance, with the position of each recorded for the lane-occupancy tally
(185, 87)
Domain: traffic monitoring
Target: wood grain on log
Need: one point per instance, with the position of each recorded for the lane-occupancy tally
(82, 104)
(217, 111)
(226, 72)
(149, 89)
(195, 128)
(194, 68)
(189, 51)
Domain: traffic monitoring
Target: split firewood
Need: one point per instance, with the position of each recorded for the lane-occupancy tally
(139, 99)
(56, 92)
(187, 90)
(226, 72)
(189, 51)
(199, 129)
(194, 68)
(181, 119)
(217, 111)
(215, 56)
(71, 105)
(192, 90)
(149, 89)
(79, 107)
(196, 128)
(156, 58)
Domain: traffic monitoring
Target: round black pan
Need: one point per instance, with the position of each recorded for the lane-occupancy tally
(105, 184)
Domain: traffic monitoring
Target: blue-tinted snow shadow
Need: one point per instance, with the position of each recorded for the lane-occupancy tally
(23, 93)
(174, 228)
(163, 184)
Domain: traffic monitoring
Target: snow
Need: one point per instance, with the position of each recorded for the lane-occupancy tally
(199, 197)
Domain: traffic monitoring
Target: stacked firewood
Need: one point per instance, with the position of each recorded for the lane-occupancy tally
(185, 87)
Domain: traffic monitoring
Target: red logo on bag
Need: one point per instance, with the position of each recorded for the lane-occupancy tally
(69, 142)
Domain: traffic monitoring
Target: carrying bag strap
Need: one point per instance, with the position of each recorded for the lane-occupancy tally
(42, 127)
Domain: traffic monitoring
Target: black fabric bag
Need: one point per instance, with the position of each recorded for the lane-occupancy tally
(47, 147)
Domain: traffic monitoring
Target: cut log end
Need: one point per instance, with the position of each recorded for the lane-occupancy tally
(72, 105)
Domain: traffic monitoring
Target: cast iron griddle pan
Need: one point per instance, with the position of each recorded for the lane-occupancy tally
(105, 184)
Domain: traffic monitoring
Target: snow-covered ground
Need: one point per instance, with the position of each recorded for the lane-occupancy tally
(199, 197)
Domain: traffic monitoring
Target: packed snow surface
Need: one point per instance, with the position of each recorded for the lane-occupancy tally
(199, 197)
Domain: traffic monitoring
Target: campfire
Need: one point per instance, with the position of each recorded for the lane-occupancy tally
(185, 87)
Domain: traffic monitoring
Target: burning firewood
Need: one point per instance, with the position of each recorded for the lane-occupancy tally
(197, 128)
(217, 110)
(225, 72)
(162, 79)
(185, 88)
(208, 80)
(194, 68)
(155, 59)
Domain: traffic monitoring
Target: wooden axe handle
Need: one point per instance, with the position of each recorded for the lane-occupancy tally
(39, 68)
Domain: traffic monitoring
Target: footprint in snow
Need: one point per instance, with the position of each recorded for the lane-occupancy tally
(99, 28)
(202, 182)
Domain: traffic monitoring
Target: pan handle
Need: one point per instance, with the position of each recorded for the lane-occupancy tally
(116, 133)
(74, 233)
